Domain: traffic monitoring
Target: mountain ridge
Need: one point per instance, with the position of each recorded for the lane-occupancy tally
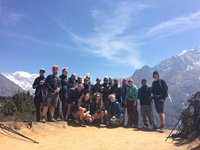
(8, 88)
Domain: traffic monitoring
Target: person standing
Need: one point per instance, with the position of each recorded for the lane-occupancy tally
(80, 80)
(53, 85)
(160, 92)
(144, 95)
(131, 103)
(72, 82)
(64, 92)
(105, 92)
(110, 82)
(39, 85)
(87, 85)
(115, 89)
(97, 88)
(123, 106)
(123, 90)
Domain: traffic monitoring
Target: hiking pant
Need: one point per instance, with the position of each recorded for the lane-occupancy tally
(147, 115)
(37, 102)
(132, 113)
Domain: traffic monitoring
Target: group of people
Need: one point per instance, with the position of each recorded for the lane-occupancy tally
(77, 99)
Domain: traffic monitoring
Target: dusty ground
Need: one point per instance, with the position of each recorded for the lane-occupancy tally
(58, 136)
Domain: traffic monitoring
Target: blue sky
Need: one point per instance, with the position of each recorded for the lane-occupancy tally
(103, 37)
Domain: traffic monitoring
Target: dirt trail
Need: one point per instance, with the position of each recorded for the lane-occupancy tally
(58, 136)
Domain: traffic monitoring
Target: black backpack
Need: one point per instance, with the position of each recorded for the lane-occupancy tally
(164, 87)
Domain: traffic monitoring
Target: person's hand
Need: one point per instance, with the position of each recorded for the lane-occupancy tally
(41, 82)
(57, 90)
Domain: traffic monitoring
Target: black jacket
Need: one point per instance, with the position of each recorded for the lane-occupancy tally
(144, 94)
(85, 104)
(52, 83)
(106, 91)
(72, 83)
(64, 84)
(96, 88)
(38, 87)
(75, 95)
(159, 89)
(117, 91)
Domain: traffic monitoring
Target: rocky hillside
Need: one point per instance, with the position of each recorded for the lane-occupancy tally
(182, 74)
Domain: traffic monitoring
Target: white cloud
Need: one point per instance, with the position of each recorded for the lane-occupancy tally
(110, 37)
(8, 17)
(175, 25)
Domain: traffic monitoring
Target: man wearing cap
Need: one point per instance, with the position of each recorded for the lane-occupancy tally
(39, 85)
(53, 85)
(160, 92)
(64, 91)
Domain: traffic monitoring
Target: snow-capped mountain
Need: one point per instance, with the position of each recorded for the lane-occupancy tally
(182, 74)
(23, 79)
(8, 88)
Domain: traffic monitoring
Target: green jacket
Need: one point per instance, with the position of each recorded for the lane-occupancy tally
(131, 93)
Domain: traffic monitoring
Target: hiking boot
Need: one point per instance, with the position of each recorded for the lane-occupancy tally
(82, 123)
(135, 126)
(162, 127)
(52, 119)
(43, 120)
(59, 119)
(66, 118)
(154, 127)
(145, 126)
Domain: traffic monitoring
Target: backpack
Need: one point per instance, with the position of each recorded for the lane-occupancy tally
(165, 89)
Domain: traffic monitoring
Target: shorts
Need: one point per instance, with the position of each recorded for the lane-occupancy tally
(51, 100)
(159, 104)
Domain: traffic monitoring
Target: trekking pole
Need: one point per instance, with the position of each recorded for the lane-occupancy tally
(17, 133)
(188, 107)
(179, 128)
(173, 130)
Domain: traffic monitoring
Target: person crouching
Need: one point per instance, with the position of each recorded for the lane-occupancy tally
(82, 109)
(114, 112)
(98, 111)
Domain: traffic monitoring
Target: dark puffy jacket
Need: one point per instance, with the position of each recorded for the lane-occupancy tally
(144, 94)
(117, 91)
(52, 83)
